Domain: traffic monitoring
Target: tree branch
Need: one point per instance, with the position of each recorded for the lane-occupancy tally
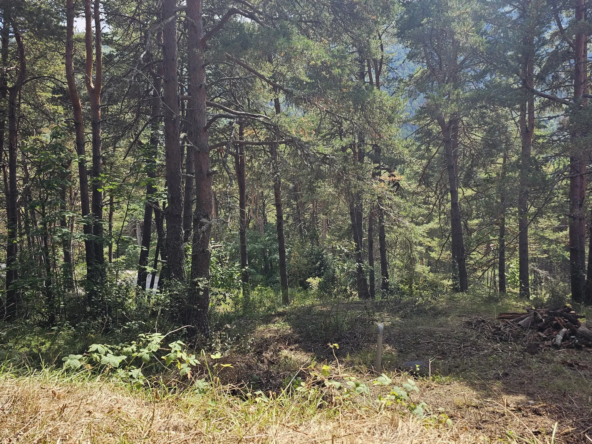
(258, 74)
(225, 18)
(561, 100)
(236, 113)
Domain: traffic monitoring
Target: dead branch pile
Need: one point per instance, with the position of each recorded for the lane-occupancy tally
(559, 328)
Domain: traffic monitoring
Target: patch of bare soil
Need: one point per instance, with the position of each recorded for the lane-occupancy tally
(487, 379)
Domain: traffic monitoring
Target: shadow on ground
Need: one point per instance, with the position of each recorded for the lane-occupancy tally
(483, 382)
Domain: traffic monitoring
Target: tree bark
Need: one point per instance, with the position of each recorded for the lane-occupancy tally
(175, 264)
(526, 123)
(239, 164)
(67, 266)
(577, 185)
(356, 217)
(279, 212)
(188, 200)
(80, 143)
(199, 293)
(450, 135)
(160, 242)
(12, 292)
(371, 274)
(151, 156)
(94, 88)
(502, 230)
(384, 273)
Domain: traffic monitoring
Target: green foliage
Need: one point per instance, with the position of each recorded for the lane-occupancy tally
(135, 360)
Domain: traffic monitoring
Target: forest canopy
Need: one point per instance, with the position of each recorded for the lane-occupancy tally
(176, 157)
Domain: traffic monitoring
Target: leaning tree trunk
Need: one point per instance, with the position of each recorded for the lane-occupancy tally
(526, 134)
(578, 164)
(450, 135)
(175, 264)
(198, 299)
(94, 88)
(80, 143)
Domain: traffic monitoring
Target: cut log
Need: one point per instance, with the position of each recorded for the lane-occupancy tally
(559, 338)
(584, 334)
(527, 322)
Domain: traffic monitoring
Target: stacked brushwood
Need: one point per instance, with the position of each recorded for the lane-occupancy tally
(560, 328)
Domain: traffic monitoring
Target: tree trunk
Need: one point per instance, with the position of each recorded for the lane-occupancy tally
(110, 227)
(199, 293)
(188, 200)
(94, 88)
(12, 293)
(239, 164)
(502, 230)
(151, 156)
(361, 282)
(189, 173)
(526, 123)
(578, 163)
(175, 264)
(450, 135)
(279, 212)
(160, 242)
(371, 274)
(300, 220)
(48, 284)
(384, 273)
(80, 143)
(67, 267)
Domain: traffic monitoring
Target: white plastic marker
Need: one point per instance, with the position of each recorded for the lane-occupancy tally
(378, 365)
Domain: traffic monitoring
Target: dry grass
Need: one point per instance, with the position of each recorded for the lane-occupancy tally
(45, 408)
(494, 391)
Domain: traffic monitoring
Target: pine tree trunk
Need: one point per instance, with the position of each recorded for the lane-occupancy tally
(361, 282)
(160, 242)
(578, 163)
(199, 294)
(502, 231)
(450, 135)
(188, 200)
(67, 266)
(384, 273)
(12, 293)
(279, 212)
(94, 88)
(151, 156)
(371, 274)
(239, 165)
(175, 264)
(526, 123)
(80, 144)
(48, 281)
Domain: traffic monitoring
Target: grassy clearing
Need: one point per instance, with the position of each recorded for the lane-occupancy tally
(279, 381)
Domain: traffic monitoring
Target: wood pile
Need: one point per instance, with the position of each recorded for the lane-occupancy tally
(559, 328)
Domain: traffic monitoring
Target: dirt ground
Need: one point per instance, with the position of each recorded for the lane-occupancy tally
(493, 388)
(499, 387)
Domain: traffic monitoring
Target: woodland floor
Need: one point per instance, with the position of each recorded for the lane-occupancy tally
(493, 389)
